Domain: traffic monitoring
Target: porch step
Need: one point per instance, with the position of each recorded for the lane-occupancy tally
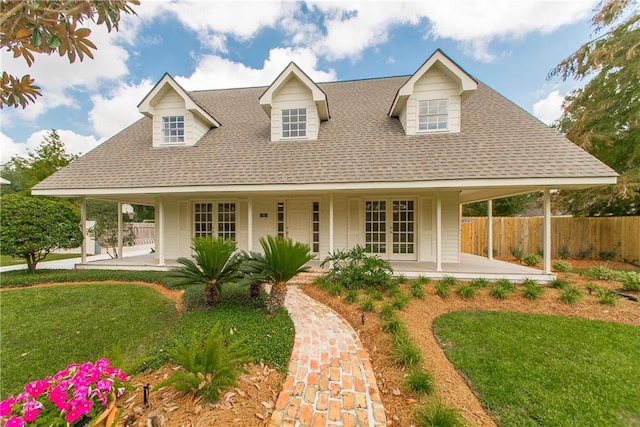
(307, 277)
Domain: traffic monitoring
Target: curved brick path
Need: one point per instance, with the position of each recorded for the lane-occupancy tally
(330, 380)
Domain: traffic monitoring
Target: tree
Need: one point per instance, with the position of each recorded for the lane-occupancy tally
(507, 206)
(282, 260)
(603, 117)
(215, 264)
(48, 158)
(32, 227)
(47, 26)
(105, 230)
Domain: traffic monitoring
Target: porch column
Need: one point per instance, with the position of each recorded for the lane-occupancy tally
(83, 222)
(547, 231)
(438, 232)
(120, 254)
(250, 224)
(160, 231)
(331, 222)
(490, 229)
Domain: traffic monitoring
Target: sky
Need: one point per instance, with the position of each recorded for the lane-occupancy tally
(510, 45)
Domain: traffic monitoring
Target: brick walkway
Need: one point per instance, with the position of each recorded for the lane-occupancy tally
(330, 380)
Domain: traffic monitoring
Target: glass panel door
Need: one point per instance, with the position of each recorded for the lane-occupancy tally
(403, 228)
(375, 223)
(398, 240)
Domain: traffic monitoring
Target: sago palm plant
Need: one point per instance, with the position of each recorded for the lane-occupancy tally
(214, 264)
(282, 260)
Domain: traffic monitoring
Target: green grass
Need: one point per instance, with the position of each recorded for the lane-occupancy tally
(21, 278)
(532, 370)
(6, 260)
(45, 329)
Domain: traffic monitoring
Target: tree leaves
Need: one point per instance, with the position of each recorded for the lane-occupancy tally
(31, 27)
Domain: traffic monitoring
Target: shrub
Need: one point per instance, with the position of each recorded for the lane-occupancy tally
(401, 301)
(592, 287)
(443, 289)
(607, 297)
(368, 305)
(560, 265)
(607, 255)
(335, 289)
(400, 278)
(532, 260)
(532, 290)
(506, 284)
(356, 269)
(466, 291)
(517, 253)
(585, 253)
(387, 312)
(407, 354)
(499, 292)
(420, 382)
(392, 325)
(375, 294)
(630, 280)
(437, 414)
(449, 281)
(480, 282)
(564, 252)
(571, 295)
(558, 283)
(209, 365)
(416, 290)
(601, 272)
(422, 280)
(351, 296)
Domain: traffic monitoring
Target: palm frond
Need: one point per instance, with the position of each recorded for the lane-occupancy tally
(282, 260)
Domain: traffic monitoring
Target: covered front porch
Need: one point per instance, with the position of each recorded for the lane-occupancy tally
(470, 267)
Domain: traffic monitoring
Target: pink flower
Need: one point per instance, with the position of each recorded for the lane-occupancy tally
(36, 388)
(104, 384)
(5, 406)
(72, 416)
(58, 396)
(14, 421)
(31, 410)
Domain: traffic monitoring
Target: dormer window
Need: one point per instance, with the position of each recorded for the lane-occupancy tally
(173, 129)
(294, 123)
(433, 115)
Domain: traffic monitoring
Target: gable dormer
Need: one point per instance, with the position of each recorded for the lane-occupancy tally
(295, 105)
(431, 100)
(177, 119)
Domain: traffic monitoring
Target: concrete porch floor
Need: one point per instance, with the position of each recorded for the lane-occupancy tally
(470, 267)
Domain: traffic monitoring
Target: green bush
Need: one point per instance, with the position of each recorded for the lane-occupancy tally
(532, 260)
(601, 272)
(437, 414)
(532, 290)
(499, 292)
(585, 253)
(449, 281)
(387, 312)
(443, 289)
(368, 305)
(401, 301)
(558, 283)
(507, 284)
(480, 282)
(571, 295)
(422, 280)
(375, 293)
(335, 289)
(392, 325)
(564, 252)
(420, 382)
(607, 297)
(352, 296)
(630, 280)
(416, 290)
(516, 252)
(356, 269)
(466, 291)
(407, 354)
(560, 265)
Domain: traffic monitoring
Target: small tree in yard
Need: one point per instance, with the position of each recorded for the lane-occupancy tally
(215, 264)
(282, 260)
(32, 227)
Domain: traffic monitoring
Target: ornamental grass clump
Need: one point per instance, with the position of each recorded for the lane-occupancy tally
(571, 295)
(466, 291)
(416, 289)
(80, 390)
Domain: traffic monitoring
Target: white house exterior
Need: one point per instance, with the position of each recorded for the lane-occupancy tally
(384, 163)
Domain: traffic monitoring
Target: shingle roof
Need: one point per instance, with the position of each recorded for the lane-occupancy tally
(360, 143)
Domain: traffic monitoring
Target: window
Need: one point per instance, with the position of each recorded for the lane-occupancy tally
(315, 220)
(433, 114)
(375, 226)
(203, 220)
(172, 129)
(403, 213)
(294, 123)
(280, 219)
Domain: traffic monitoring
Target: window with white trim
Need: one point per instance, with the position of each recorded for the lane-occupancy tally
(280, 219)
(206, 222)
(433, 114)
(315, 221)
(294, 123)
(227, 221)
(203, 219)
(172, 129)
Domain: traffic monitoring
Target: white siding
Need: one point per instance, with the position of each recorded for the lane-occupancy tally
(263, 226)
(450, 227)
(172, 104)
(426, 230)
(434, 84)
(172, 229)
(200, 127)
(294, 94)
(242, 224)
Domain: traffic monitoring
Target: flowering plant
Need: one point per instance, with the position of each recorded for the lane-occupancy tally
(78, 390)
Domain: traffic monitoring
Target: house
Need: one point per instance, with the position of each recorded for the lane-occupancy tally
(385, 163)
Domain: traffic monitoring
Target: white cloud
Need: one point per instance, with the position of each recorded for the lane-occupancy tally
(549, 109)
(74, 143)
(214, 72)
(118, 109)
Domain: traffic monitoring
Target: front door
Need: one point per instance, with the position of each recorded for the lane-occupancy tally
(390, 228)
(298, 220)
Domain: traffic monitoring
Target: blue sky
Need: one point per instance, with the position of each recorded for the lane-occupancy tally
(508, 44)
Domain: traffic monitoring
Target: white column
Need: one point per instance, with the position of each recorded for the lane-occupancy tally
(83, 221)
(438, 232)
(250, 224)
(547, 231)
(490, 229)
(120, 254)
(331, 249)
(160, 230)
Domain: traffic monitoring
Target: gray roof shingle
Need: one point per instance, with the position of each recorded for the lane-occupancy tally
(360, 143)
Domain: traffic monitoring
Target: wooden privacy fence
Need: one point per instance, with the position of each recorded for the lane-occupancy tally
(576, 234)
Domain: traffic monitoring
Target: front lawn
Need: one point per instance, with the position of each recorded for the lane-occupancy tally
(6, 260)
(532, 370)
(45, 329)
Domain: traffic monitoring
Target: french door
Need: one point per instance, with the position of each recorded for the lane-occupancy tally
(389, 226)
